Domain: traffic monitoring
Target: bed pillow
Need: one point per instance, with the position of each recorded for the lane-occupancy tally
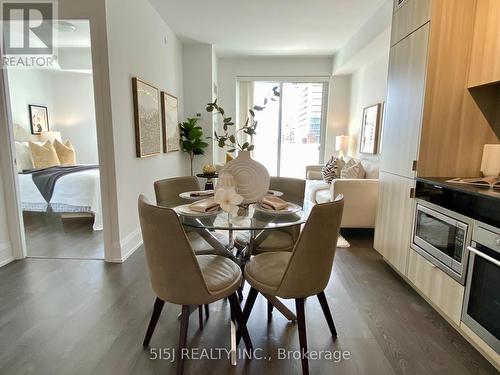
(44, 156)
(65, 152)
(332, 169)
(23, 156)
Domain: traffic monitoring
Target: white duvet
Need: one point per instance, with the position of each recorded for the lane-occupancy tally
(74, 192)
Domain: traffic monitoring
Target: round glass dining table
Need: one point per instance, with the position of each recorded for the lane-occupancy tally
(251, 218)
(255, 223)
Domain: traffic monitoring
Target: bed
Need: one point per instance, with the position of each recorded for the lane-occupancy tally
(77, 192)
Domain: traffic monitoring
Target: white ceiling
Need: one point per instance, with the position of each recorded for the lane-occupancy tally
(78, 38)
(271, 27)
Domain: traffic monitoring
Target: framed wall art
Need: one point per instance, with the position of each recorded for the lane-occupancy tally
(148, 138)
(169, 114)
(39, 119)
(370, 129)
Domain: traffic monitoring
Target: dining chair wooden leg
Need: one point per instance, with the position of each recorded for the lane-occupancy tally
(301, 323)
(327, 313)
(207, 312)
(252, 296)
(270, 308)
(158, 306)
(200, 316)
(237, 315)
(182, 338)
(240, 293)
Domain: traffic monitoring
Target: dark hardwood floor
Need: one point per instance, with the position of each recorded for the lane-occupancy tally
(89, 317)
(47, 235)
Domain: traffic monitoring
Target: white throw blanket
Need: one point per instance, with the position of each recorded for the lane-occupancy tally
(72, 193)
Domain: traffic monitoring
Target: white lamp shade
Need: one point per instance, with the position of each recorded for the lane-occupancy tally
(490, 166)
(342, 143)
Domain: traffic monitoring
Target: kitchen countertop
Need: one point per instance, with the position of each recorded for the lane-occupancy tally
(467, 189)
(477, 203)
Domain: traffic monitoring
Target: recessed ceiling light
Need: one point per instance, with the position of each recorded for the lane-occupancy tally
(66, 27)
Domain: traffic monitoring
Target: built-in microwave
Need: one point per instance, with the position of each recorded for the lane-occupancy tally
(442, 237)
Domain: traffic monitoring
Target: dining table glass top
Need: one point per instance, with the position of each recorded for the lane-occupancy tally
(249, 218)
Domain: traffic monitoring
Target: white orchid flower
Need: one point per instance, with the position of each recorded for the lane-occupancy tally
(228, 199)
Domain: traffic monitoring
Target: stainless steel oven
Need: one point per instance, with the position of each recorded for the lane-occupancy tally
(442, 237)
(481, 312)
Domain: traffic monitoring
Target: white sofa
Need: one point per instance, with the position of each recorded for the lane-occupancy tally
(360, 195)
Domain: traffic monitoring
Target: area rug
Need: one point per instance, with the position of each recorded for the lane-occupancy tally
(342, 242)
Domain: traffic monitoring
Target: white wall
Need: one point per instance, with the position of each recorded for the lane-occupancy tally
(230, 68)
(339, 99)
(368, 87)
(199, 63)
(69, 97)
(372, 37)
(365, 58)
(136, 47)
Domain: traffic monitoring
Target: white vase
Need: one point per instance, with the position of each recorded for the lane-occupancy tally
(251, 177)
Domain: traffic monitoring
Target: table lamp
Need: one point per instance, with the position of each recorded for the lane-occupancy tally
(342, 145)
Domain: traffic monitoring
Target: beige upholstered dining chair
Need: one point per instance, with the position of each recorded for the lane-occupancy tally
(302, 273)
(284, 239)
(178, 276)
(167, 195)
(167, 191)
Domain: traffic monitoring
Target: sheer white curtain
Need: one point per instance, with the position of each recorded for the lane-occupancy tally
(245, 101)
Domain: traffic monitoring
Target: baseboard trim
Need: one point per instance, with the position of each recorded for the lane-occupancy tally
(6, 255)
(128, 246)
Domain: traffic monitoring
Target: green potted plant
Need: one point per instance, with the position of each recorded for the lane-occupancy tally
(231, 139)
(191, 139)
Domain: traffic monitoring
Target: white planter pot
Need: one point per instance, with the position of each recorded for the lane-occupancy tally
(251, 177)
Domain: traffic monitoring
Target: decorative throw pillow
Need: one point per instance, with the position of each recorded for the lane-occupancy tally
(23, 156)
(350, 163)
(44, 156)
(65, 152)
(332, 169)
(353, 170)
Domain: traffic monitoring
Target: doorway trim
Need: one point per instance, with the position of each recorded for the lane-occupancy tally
(13, 209)
(105, 146)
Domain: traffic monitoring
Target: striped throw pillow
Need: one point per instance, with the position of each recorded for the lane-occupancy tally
(332, 169)
(352, 170)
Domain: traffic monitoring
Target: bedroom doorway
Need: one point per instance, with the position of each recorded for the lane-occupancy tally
(55, 143)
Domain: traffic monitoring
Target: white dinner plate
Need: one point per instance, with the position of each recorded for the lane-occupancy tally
(274, 193)
(185, 210)
(291, 209)
(187, 195)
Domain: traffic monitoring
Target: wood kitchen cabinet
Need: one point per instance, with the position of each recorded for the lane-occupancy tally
(454, 129)
(485, 61)
(409, 15)
(405, 100)
(433, 127)
(394, 221)
(444, 292)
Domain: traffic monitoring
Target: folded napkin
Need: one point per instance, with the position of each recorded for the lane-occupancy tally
(271, 202)
(205, 205)
(202, 193)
